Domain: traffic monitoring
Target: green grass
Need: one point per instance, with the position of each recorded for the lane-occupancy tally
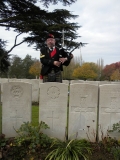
(35, 115)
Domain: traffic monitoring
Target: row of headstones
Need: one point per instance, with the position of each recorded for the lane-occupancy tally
(90, 111)
(36, 82)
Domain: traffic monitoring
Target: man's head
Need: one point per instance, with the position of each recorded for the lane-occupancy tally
(50, 41)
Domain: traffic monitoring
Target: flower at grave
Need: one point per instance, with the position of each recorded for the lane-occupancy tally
(53, 92)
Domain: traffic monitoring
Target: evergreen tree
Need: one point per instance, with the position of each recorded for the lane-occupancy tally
(24, 16)
(4, 63)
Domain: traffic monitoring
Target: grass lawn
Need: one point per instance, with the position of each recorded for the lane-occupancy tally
(35, 114)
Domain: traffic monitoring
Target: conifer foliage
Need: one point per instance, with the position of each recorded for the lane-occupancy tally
(27, 16)
(4, 57)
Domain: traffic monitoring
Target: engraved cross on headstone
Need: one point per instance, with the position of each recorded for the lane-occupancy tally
(81, 122)
(16, 120)
(53, 117)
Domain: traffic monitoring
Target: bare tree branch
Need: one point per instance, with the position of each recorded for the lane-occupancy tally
(15, 43)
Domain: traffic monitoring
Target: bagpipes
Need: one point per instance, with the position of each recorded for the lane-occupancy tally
(77, 45)
(70, 52)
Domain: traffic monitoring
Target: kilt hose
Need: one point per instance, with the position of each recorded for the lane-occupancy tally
(58, 77)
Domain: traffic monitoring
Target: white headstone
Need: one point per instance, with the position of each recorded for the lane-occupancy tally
(26, 80)
(35, 90)
(109, 109)
(16, 106)
(14, 80)
(40, 80)
(65, 81)
(53, 108)
(104, 82)
(77, 81)
(92, 82)
(117, 82)
(83, 111)
(2, 80)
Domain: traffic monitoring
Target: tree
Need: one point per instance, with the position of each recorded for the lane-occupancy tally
(86, 71)
(26, 64)
(16, 67)
(67, 71)
(25, 16)
(20, 67)
(115, 75)
(35, 69)
(4, 57)
(107, 71)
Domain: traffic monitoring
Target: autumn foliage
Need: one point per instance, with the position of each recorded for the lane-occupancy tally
(35, 69)
(86, 71)
(111, 72)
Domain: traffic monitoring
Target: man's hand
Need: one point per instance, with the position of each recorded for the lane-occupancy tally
(57, 63)
(62, 60)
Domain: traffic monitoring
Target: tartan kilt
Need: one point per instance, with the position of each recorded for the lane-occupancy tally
(58, 77)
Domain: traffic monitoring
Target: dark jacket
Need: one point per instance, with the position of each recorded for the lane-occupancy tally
(47, 61)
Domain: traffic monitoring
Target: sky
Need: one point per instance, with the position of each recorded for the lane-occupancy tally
(100, 28)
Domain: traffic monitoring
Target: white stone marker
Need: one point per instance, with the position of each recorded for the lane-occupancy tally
(2, 80)
(77, 81)
(92, 82)
(109, 109)
(65, 81)
(83, 111)
(104, 82)
(53, 108)
(14, 80)
(35, 90)
(16, 106)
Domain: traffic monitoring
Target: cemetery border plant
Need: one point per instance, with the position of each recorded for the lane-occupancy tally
(33, 136)
(69, 150)
(116, 148)
(30, 143)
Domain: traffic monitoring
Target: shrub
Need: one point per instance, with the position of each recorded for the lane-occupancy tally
(30, 142)
(69, 150)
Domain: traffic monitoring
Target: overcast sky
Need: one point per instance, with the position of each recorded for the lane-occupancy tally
(100, 21)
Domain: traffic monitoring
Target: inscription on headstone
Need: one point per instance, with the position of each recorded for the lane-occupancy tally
(16, 106)
(35, 90)
(83, 110)
(53, 108)
(109, 108)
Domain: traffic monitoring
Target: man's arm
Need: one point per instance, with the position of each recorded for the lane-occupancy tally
(47, 61)
(43, 59)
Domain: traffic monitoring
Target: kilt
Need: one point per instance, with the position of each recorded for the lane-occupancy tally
(58, 77)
